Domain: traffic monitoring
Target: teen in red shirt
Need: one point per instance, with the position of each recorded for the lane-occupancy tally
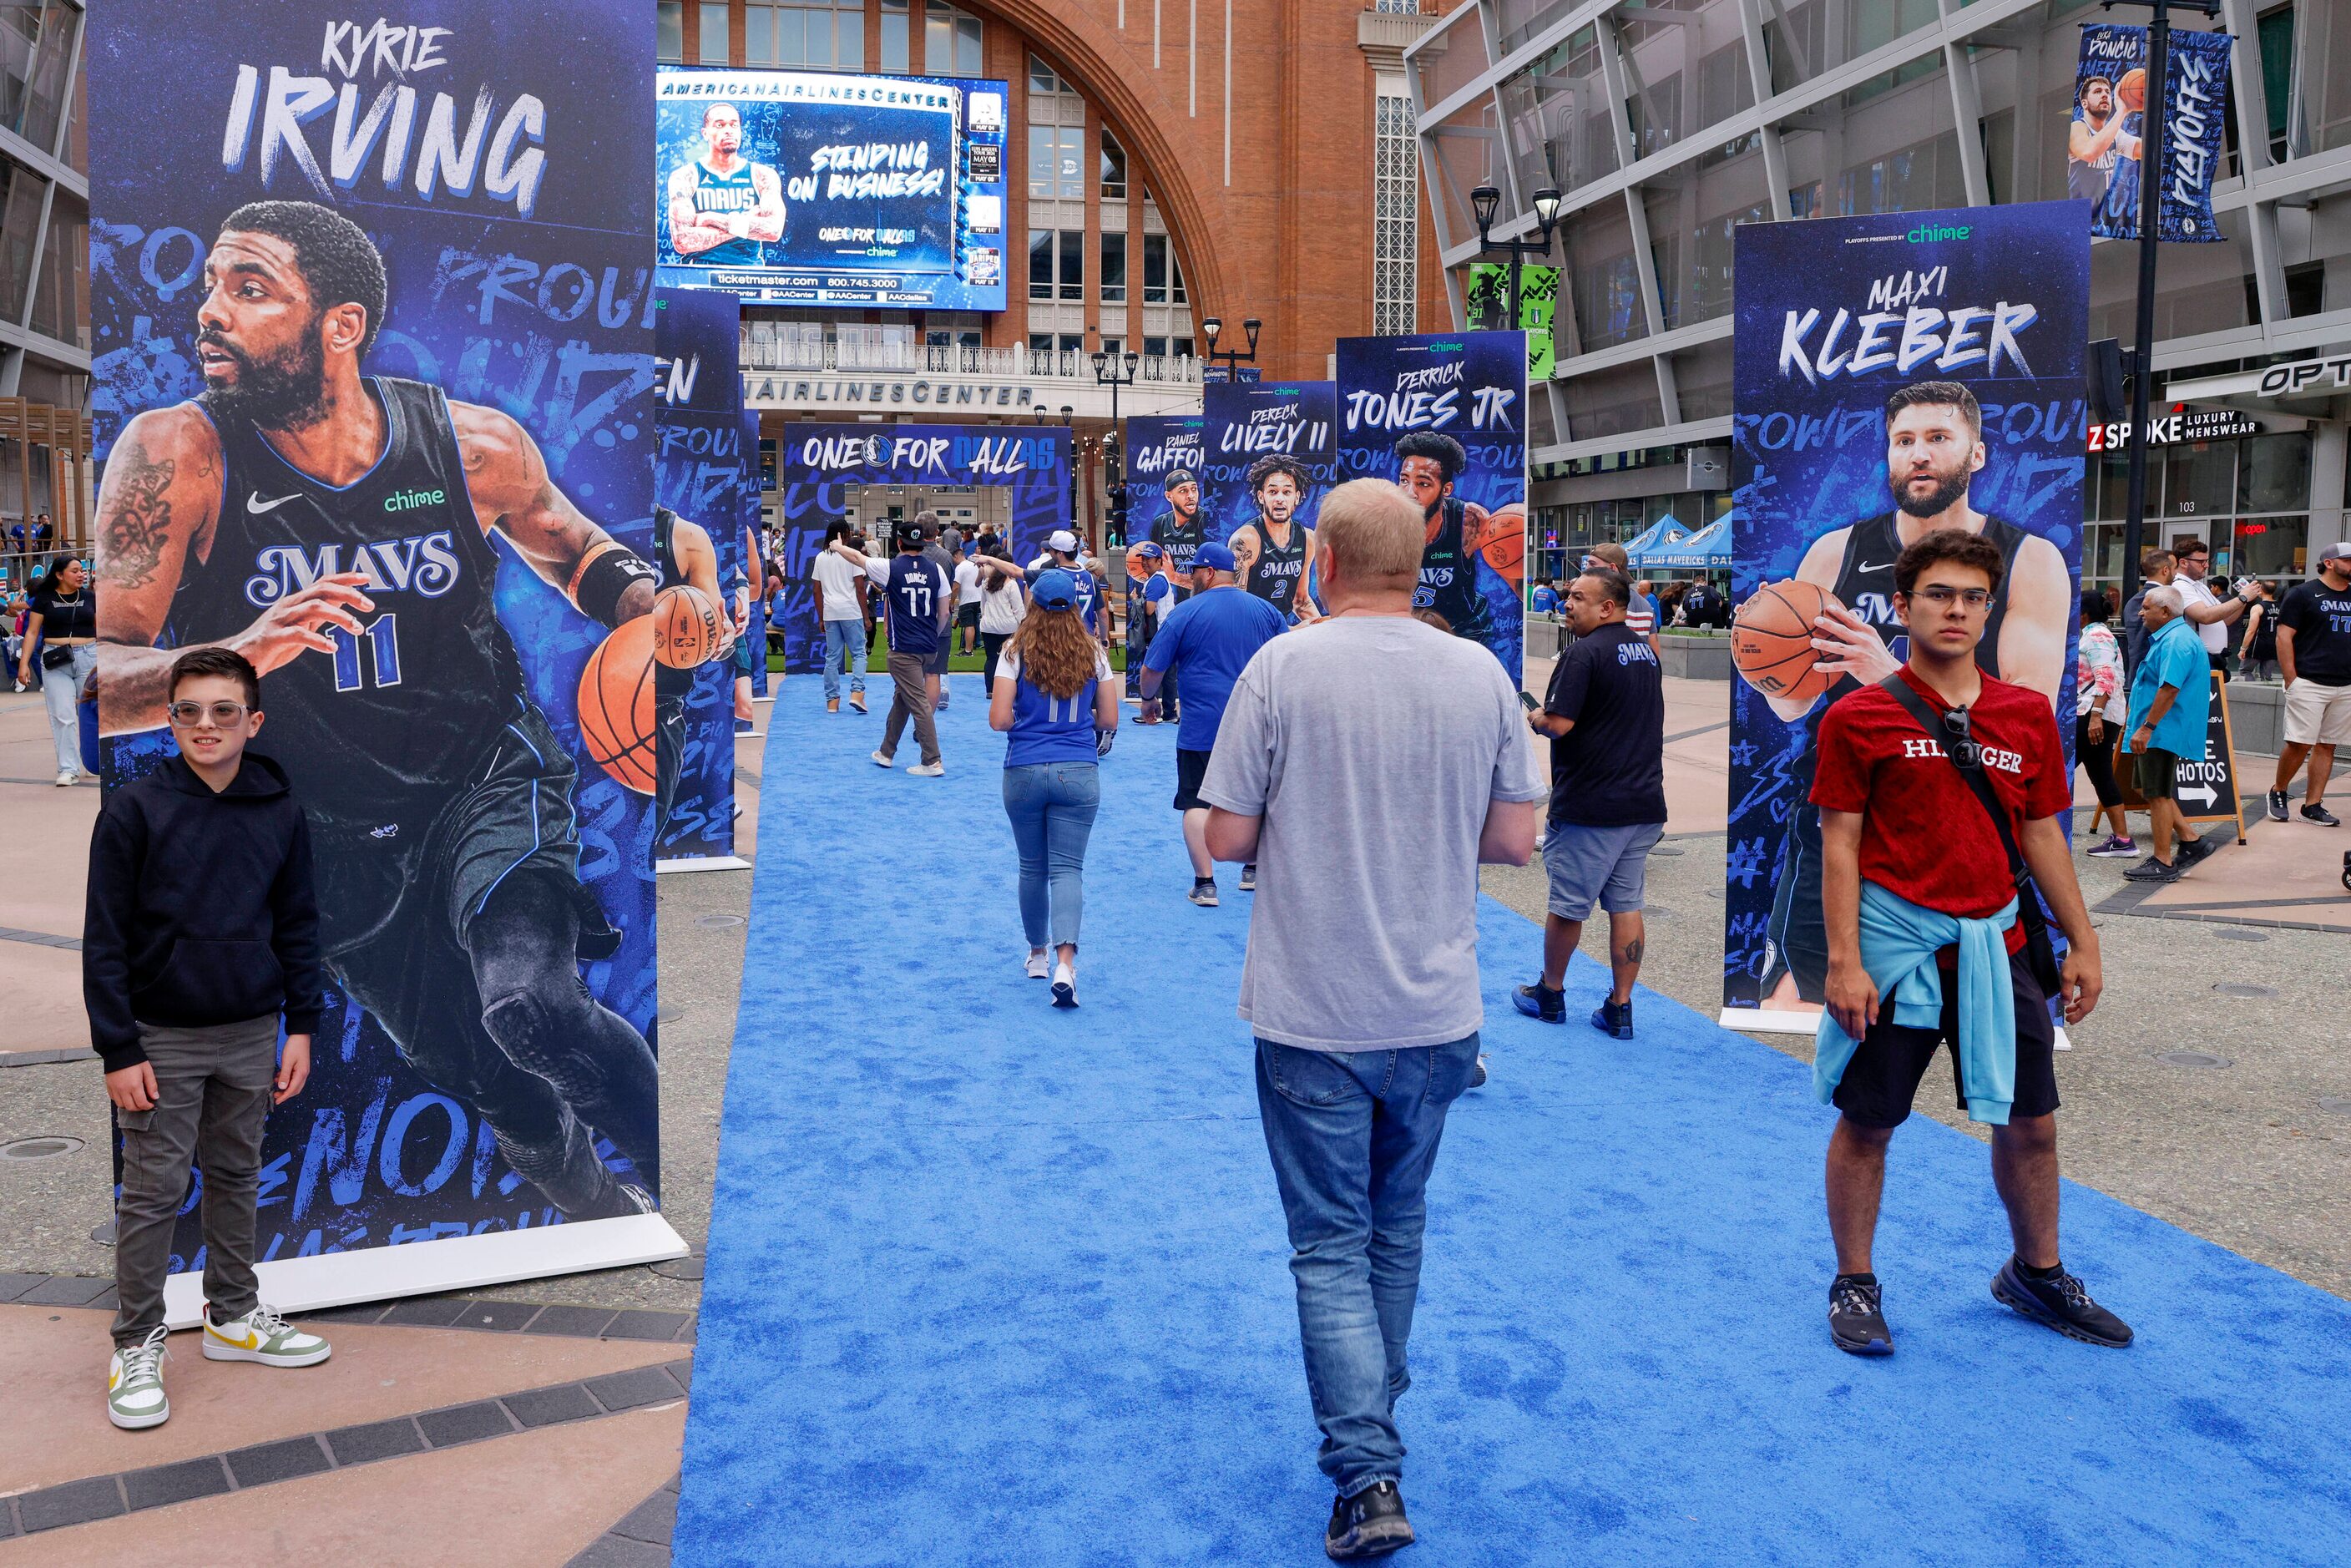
(1896, 812)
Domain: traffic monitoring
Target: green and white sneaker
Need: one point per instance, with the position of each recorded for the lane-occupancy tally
(262, 1336)
(134, 1384)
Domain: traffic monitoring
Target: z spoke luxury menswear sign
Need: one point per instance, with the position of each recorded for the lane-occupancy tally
(373, 317)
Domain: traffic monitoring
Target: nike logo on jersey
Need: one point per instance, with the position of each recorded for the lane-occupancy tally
(424, 563)
(1880, 566)
(255, 505)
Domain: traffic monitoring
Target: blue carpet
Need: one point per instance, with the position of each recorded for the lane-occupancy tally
(993, 1284)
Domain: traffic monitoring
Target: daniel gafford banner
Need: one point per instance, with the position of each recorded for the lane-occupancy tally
(1894, 373)
(372, 303)
(1444, 414)
(1163, 487)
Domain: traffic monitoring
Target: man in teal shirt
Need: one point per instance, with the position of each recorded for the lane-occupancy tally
(2171, 693)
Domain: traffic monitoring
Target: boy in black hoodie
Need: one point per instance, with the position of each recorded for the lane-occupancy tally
(201, 932)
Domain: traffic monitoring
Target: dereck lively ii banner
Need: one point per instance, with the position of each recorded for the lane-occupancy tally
(1894, 373)
(372, 315)
(1163, 486)
(1269, 456)
(698, 477)
(2103, 154)
(1444, 415)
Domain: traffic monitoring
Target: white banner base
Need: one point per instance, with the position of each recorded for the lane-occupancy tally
(1772, 1020)
(452, 1263)
(701, 863)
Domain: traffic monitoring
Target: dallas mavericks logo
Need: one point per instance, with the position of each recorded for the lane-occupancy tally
(422, 563)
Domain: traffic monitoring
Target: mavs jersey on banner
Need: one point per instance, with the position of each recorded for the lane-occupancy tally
(1448, 578)
(431, 678)
(724, 196)
(1274, 575)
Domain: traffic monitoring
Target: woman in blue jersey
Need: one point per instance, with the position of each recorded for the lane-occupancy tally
(1055, 701)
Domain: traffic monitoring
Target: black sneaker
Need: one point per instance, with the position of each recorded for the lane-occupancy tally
(1613, 1019)
(1856, 1321)
(2277, 805)
(1369, 1524)
(2192, 851)
(2154, 870)
(1478, 1072)
(1204, 891)
(1248, 877)
(2060, 1303)
(2315, 812)
(1539, 1001)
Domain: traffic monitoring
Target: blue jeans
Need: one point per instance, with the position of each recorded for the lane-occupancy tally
(1353, 1136)
(840, 638)
(1053, 807)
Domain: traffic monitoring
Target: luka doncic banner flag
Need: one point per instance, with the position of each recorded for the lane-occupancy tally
(1893, 374)
(698, 477)
(371, 308)
(1268, 455)
(1444, 415)
(2102, 150)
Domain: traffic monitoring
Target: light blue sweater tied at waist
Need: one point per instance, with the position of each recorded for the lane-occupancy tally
(1899, 940)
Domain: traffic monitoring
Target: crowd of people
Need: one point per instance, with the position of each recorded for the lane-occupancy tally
(52, 644)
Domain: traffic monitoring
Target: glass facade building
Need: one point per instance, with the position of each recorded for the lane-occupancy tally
(44, 280)
(1668, 123)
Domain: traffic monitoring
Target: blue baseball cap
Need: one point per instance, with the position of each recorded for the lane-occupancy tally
(1151, 551)
(1214, 555)
(1054, 589)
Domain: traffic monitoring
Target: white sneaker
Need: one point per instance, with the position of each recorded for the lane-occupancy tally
(1065, 986)
(262, 1336)
(65, 777)
(880, 760)
(927, 770)
(1040, 966)
(134, 1384)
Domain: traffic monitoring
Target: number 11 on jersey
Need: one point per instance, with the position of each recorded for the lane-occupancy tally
(383, 638)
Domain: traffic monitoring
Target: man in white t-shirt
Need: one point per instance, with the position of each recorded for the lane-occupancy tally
(844, 621)
(1368, 764)
(2206, 611)
(968, 593)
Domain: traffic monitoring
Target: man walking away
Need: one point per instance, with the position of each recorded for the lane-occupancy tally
(967, 599)
(1341, 743)
(201, 935)
(935, 668)
(915, 593)
(844, 621)
(2157, 569)
(2314, 655)
(1927, 943)
(2170, 697)
(1605, 716)
(1207, 640)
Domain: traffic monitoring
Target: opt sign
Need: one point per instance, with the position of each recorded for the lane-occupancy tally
(2303, 374)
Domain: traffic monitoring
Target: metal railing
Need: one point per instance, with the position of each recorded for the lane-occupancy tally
(776, 351)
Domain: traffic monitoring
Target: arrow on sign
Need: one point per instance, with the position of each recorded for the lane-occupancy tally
(2202, 792)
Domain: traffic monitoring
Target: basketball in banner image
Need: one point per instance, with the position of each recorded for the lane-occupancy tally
(373, 372)
(1895, 373)
(1445, 416)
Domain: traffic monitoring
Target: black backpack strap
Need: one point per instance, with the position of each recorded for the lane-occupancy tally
(1897, 688)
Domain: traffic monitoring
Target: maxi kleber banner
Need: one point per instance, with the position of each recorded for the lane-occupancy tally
(1894, 373)
(818, 189)
(1162, 467)
(699, 475)
(1269, 454)
(372, 325)
(2102, 147)
(1445, 416)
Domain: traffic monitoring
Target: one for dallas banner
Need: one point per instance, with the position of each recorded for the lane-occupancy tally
(1945, 347)
(1444, 415)
(372, 308)
(2105, 138)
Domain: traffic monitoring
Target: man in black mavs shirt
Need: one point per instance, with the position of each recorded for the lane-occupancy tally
(1934, 447)
(1271, 552)
(1428, 463)
(335, 530)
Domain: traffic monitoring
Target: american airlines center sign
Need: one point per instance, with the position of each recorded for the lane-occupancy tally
(763, 389)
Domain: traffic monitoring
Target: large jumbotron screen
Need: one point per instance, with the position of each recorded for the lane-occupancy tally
(806, 188)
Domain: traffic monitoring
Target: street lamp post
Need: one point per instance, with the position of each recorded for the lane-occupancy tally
(1231, 359)
(1114, 372)
(1483, 201)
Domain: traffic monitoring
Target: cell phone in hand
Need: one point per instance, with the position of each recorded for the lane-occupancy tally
(1528, 699)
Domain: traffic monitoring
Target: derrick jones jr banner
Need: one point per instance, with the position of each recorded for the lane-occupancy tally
(1946, 339)
(1445, 416)
(373, 363)
(807, 188)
